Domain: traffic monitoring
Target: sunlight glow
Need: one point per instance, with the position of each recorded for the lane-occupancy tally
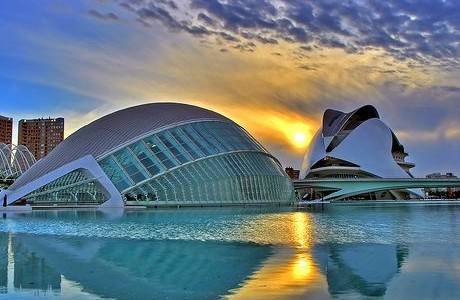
(302, 229)
(302, 268)
(300, 139)
(290, 272)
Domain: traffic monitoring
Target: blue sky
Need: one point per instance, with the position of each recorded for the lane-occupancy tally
(272, 66)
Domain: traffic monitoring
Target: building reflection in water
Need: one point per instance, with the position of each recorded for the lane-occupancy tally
(363, 269)
(126, 269)
(32, 271)
(24, 270)
(132, 268)
(319, 271)
(3, 263)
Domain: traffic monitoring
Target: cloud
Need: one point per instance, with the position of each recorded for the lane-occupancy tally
(228, 37)
(453, 132)
(424, 31)
(449, 130)
(101, 16)
(308, 67)
(422, 115)
(160, 14)
(169, 3)
(271, 66)
(239, 13)
(207, 20)
(259, 37)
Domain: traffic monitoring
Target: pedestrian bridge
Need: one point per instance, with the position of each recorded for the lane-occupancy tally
(344, 188)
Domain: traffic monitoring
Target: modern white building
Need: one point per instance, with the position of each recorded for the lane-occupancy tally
(357, 144)
(161, 154)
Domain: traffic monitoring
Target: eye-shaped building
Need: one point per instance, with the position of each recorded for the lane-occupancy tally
(160, 154)
(355, 145)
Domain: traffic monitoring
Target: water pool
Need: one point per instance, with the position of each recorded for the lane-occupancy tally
(341, 252)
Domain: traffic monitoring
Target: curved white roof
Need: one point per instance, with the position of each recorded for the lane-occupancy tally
(369, 146)
(359, 138)
(111, 131)
(334, 120)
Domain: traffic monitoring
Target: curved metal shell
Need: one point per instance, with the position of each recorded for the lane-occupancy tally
(315, 152)
(115, 130)
(369, 147)
(360, 138)
(156, 154)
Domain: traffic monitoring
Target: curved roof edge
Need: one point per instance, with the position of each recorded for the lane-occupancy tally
(114, 129)
(334, 120)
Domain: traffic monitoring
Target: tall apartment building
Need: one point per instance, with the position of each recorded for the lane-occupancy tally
(6, 130)
(41, 135)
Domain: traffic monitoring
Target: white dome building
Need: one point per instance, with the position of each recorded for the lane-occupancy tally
(160, 154)
(356, 145)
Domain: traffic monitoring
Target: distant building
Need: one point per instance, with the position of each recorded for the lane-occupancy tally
(448, 192)
(41, 136)
(357, 144)
(438, 175)
(293, 173)
(6, 130)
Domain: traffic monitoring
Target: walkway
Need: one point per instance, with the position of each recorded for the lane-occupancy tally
(344, 188)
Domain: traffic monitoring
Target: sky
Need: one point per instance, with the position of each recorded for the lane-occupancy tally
(271, 66)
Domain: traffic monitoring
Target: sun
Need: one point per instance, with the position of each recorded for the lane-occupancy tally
(300, 139)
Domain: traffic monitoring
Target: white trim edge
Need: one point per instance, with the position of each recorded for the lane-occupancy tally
(87, 163)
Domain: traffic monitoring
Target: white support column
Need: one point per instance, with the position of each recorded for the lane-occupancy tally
(86, 163)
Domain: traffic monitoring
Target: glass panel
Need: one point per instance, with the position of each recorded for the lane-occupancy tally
(183, 143)
(202, 129)
(199, 173)
(197, 140)
(159, 150)
(73, 188)
(183, 177)
(168, 188)
(174, 186)
(216, 131)
(237, 177)
(160, 190)
(132, 167)
(115, 173)
(146, 158)
(205, 137)
(172, 148)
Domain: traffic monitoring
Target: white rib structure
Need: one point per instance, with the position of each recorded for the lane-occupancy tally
(14, 160)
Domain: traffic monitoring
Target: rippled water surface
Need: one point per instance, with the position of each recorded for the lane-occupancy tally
(341, 252)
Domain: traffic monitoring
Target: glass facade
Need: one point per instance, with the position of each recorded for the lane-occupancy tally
(75, 188)
(207, 162)
(236, 178)
(197, 163)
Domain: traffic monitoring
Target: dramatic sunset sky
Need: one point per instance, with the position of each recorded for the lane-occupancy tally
(272, 66)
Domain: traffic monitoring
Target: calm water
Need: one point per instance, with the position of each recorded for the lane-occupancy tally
(370, 252)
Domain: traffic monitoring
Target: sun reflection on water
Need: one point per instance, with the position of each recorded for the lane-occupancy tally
(290, 271)
(302, 227)
(302, 268)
